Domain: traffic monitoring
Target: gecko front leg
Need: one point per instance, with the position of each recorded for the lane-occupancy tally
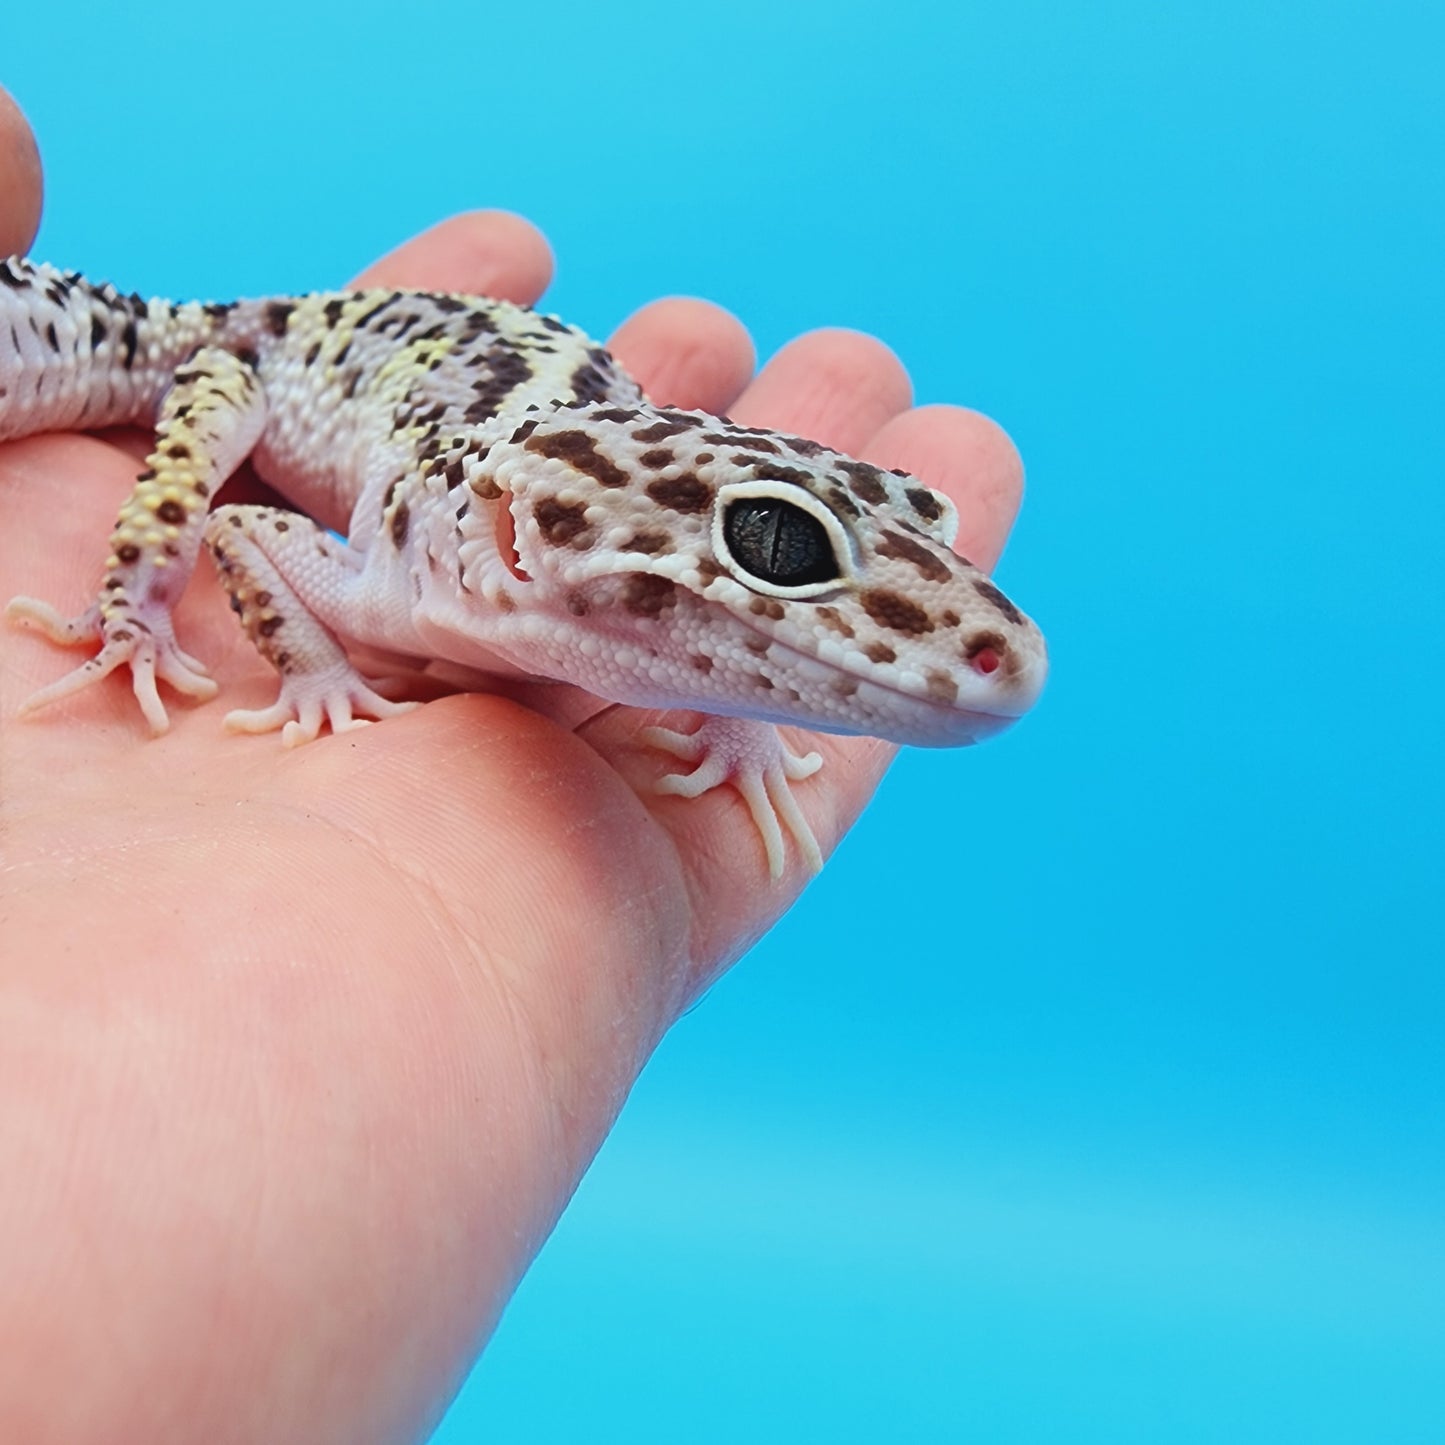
(753, 757)
(267, 557)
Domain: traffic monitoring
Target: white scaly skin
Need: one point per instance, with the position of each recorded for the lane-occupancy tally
(516, 506)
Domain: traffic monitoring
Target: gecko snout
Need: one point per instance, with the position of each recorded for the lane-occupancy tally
(1008, 670)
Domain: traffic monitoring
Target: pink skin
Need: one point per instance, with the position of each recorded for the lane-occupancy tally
(301, 1054)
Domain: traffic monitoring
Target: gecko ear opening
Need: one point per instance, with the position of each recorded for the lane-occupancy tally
(506, 533)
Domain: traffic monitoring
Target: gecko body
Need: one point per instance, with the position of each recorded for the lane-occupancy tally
(511, 503)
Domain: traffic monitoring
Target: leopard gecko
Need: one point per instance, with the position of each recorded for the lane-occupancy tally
(512, 503)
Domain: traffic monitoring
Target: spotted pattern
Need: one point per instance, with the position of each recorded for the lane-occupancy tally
(512, 503)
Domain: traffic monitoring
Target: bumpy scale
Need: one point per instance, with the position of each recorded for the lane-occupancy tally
(512, 504)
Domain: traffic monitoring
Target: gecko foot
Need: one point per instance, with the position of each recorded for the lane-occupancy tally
(146, 646)
(308, 700)
(755, 760)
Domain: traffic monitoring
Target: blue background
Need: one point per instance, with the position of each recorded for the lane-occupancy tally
(1095, 1090)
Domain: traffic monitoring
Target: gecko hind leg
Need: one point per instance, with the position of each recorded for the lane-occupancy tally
(209, 420)
(149, 648)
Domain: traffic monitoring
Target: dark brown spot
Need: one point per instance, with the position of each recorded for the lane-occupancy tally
(767, 607)
(764, 682)
(831, 617)
(897, 613)
(525, 430)
(485, 488)
(178, 450)
(657, 458)
(845, 686)
(777, 472)
(701, 663)
(400, 524)
(269, 626)
(507, 369)
(649, 542)
(990, 593)
(561, 524)
(590, 382)
(803, 446)
(580, 453)
(930, 566)
(660, 431)
(128, 341)
(759, 645)
(171, 512)
(578, 605)
(949, 618)
(687, 493)
(247, 357)
(278, 313)
(941, 687)
(646, 595)
(880, 652)
(924, 502)
(865, 482)
(709, 570)
(702, 459)
(333, 310)
(128, 553)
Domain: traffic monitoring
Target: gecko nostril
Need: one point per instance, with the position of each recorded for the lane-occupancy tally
(986, 652)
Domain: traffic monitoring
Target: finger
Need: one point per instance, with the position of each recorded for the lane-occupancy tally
(481, 253)
(686, 353)
(836, 387)
(969, 457)
(20, 180)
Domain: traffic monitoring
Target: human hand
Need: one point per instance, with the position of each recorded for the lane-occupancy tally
(302, 1053)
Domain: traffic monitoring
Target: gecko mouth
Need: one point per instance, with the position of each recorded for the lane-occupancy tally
(899, 714)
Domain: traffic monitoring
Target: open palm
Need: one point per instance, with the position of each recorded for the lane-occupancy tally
(301, 1053)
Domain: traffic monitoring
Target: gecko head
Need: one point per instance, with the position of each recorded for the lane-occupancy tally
(735, 570)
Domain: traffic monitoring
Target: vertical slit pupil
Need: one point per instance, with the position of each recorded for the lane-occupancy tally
(778, 542)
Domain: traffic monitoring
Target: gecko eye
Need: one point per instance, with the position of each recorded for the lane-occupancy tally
(777, 538)
(778, 542)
